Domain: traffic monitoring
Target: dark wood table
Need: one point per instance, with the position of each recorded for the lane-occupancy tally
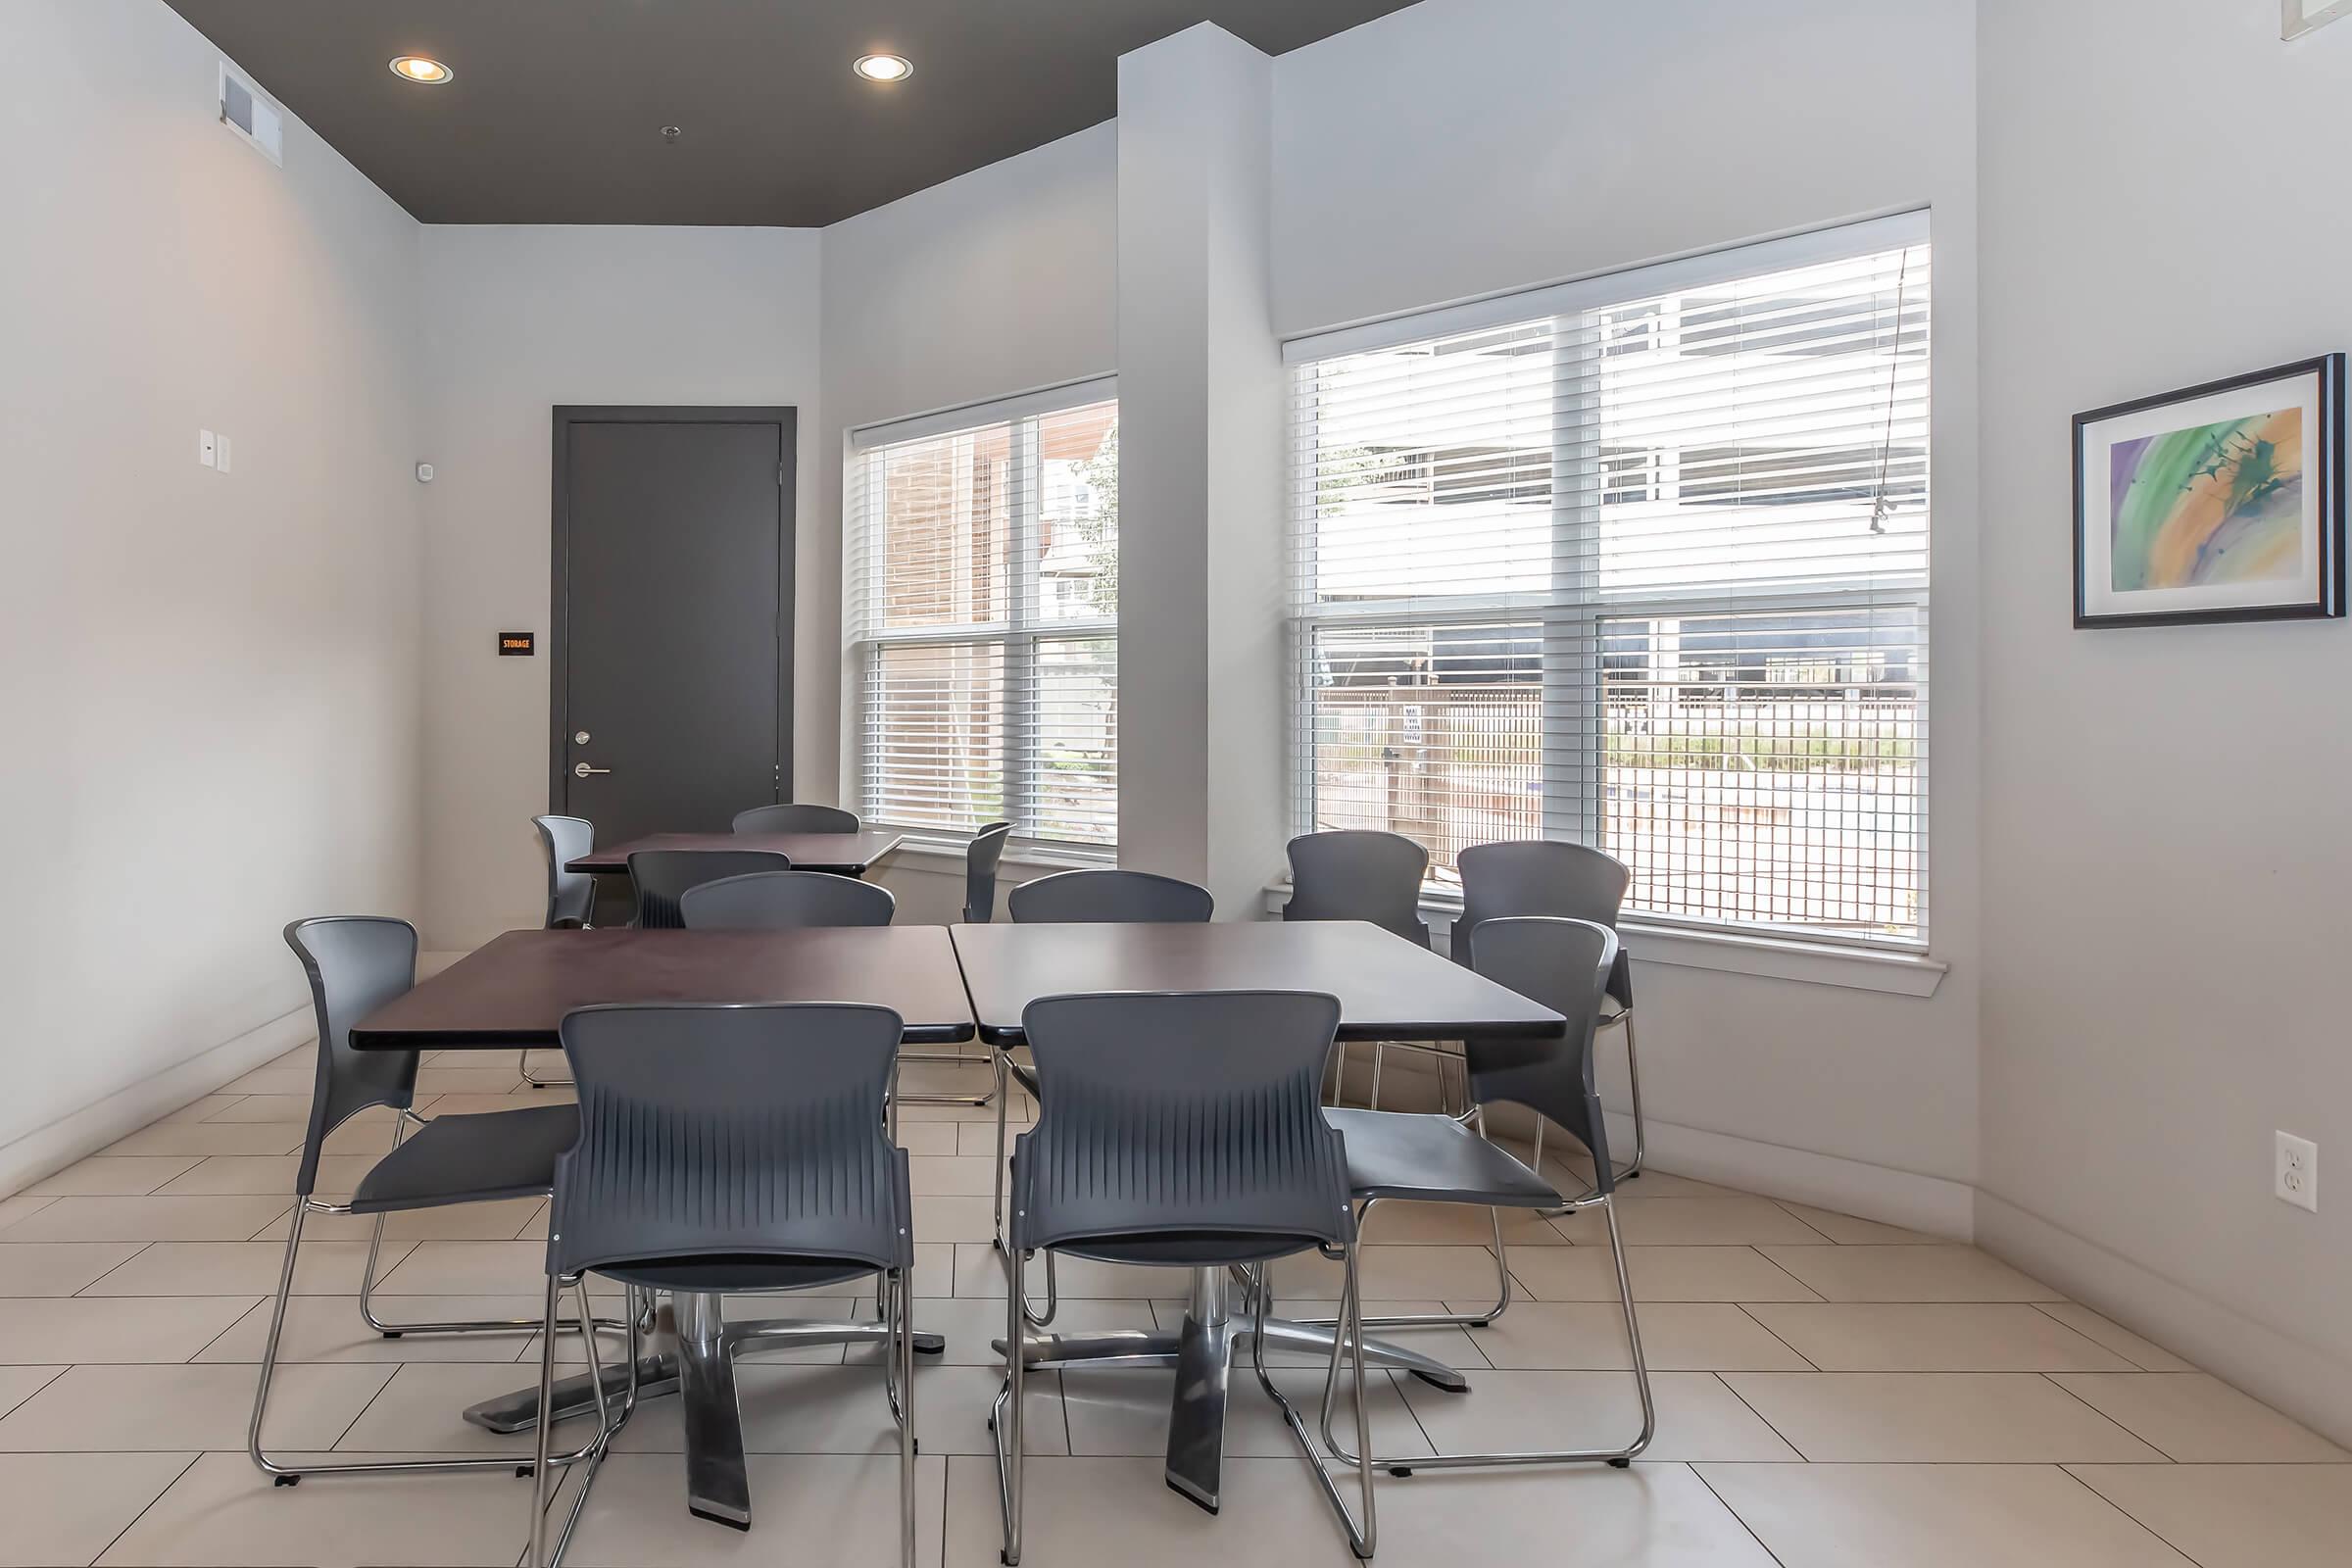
(843, 854)
(1388, 989)
(515, 990)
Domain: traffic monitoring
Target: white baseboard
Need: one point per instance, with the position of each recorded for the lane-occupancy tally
(1935, 1205)
(2306, 1382)
(48, 1149)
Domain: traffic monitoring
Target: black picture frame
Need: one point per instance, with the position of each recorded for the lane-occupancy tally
(2324, 464)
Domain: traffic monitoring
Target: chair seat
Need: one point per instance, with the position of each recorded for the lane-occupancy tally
(1188, 1248)
(733, 1272)
(471, 1159)
(1435, 1159)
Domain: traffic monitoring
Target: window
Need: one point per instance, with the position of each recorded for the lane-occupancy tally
(1639, 562)
(983, 552)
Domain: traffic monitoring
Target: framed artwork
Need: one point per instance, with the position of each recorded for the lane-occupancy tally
(2220, 502)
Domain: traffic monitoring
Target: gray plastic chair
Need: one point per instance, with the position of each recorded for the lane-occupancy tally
(571, 896)
(1355, 874)
(1090, 897)
(733, 1149)
(1575, 881)
(1184, 1129)
(1109, 895)
(795, 817)
(1436, 1158)
(659, 878)
(355, 964)
(981, 858)
(784, 900)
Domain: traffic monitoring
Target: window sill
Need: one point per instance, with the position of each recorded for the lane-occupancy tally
(1821, 964)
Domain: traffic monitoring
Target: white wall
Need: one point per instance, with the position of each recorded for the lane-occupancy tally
(1462, 147)
(2166, 856)
(517, 321)
(995, 283)
(207, 682)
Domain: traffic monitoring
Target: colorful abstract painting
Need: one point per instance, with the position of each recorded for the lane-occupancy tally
(2217, 503)
(2209, 504)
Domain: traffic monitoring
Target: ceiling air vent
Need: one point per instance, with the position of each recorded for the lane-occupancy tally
(247, 111)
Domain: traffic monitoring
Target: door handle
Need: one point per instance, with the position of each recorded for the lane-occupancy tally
(583, 770)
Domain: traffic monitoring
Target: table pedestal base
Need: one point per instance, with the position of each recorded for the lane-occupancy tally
(694, 1355)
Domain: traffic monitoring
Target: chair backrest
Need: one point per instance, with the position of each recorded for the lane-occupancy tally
(784, 900)
(1543, 876)
(660, 877)
(1109, 895)
(1178, 1114)
(710, 1131)
(570, 895)
(356, 963)
(980, 859)
(1359, 875)
(1566, 965)
(794, 817)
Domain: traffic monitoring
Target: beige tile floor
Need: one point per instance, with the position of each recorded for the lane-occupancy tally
(1831, 1391)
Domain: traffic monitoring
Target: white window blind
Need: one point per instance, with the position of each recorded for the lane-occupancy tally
(982, 617)
(1639, 562)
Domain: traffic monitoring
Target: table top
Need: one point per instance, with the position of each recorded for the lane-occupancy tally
(845, 853)
(1388, 988)
(515, 989)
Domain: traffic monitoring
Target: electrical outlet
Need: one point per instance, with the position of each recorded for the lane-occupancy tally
(2295, 1172)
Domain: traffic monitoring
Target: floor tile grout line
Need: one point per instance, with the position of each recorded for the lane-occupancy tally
(1802, 1457)
(1701, 1477)
(1809, 1225)
(2154, 1533)
(366, 1407)
(51, 1382)
(2043, 1307)
(142, 1252)
(190, 1361)
(177, 1476)
(1744, 1312)
(2149, 1442)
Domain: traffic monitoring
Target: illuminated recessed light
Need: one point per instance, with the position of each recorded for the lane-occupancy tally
(884, 68)
(418, 67)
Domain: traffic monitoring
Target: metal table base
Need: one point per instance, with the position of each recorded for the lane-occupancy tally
(1202, 1350)
(694, 1354)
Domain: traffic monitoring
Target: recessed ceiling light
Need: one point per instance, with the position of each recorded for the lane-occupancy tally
(419, 69)
(884, 68)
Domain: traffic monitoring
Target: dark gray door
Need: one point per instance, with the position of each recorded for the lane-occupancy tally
(672, 640)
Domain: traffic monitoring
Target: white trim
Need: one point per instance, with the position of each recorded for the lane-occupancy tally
(1936, 1205)
(2308, 1383)
(46, 1150)
(1598, 290)
(1892, 971)
(990, 411)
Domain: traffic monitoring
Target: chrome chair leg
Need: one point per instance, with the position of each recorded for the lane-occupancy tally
(287, 1475)
(375, 1246)
(1005, 1418)
(980, 1098)
(1406, 1464)
(1480, 1319)
(522, 1065)
(1015, 1279)
(1633, 1079)
(902, 1349)
(1362, 1526)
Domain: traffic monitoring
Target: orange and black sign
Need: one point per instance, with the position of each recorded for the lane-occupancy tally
(518, 644)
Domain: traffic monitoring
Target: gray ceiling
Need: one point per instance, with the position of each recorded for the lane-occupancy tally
(556, 110)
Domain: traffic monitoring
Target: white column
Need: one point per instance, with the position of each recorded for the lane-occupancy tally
(1201, 392)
